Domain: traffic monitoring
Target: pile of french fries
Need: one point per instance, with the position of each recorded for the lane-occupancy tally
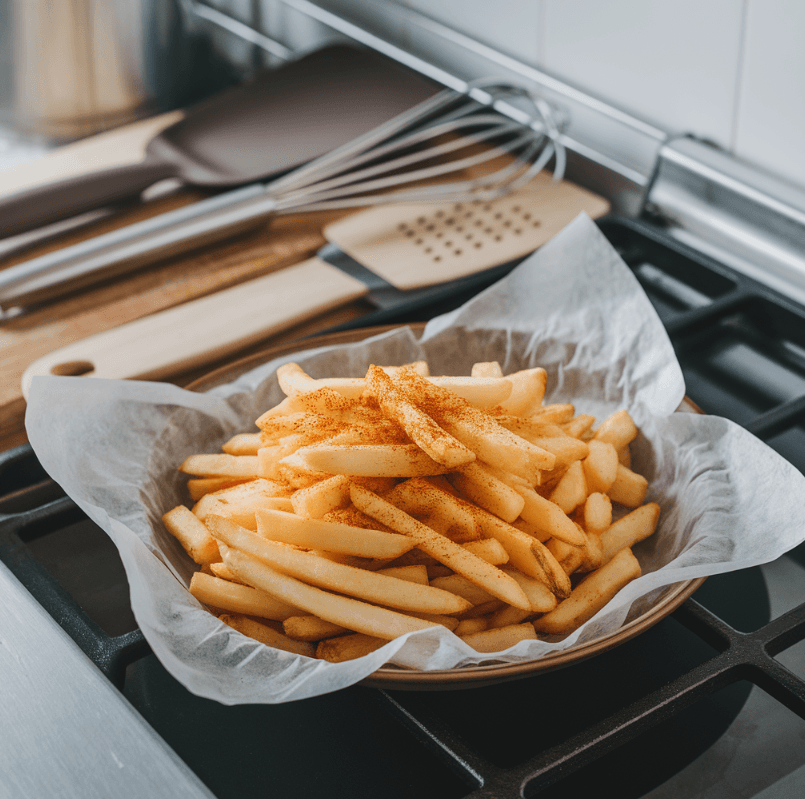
(366, 508)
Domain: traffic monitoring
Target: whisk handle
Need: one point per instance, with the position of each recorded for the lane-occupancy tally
(134, 246)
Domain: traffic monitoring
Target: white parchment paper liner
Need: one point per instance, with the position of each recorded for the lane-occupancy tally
(728, 501)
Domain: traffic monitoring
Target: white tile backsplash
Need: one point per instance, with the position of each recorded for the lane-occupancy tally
(511, 26)
(770, 115)
(379, 16)
(675, 64)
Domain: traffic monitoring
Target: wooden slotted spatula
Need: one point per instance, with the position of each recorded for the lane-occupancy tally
(396, 256)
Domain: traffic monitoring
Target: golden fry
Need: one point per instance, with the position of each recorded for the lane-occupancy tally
(489, 492)
(314, 570)
(600, 466)
(589, 596)
(618, 430)
(486, 369)
(238, 466)
(549, 517)
(310, 628)
(629, 530)
(243, 444)
(542, 599)
(579, 426)
(293, 379)
(441, 548)
(477, 625)
(315, 501)
(239, 598)
(461, 586)
(528, 389)
(571, 490)
(565, 449)
(267, 635)
(416, 573)
(488, 549)
(344, 611)
(242, 501)
(368, 460)
(348, 647)
(320, 534)
(558, 413)
(192, 535)
(527, 553)
(629, 488)
(597, 513)
(500, 638)
(199, 486)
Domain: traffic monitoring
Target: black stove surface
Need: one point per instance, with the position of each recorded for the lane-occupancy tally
(665, 714)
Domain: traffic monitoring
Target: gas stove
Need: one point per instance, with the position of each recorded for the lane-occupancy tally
(716, 689)
(709, 703)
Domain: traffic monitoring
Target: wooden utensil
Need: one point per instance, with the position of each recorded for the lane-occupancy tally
(222, 323)
(407, 245)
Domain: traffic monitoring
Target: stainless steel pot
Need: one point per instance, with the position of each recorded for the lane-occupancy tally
(73, 67)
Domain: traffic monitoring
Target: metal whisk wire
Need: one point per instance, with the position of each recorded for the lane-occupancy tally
(424, 144)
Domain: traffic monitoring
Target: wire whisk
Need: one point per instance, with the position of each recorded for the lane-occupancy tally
(453, 147)
(448, 135)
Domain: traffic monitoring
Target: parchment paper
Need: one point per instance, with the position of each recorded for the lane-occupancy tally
(728, 501)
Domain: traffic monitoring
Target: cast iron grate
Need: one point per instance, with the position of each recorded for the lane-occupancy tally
(727, 657)
(699, 301)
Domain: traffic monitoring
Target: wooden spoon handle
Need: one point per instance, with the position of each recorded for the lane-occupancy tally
(205, 329)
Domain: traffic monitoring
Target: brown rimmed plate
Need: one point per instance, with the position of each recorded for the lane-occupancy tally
(395, 678)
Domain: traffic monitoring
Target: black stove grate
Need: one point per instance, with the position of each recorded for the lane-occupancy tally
(660, 699)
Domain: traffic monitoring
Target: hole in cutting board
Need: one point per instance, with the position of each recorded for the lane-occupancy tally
(492, 222)
(72, 369)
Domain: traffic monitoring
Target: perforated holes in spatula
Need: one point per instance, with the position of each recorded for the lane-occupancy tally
(474, 225)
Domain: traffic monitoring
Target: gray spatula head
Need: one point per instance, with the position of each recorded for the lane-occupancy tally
(289, 116)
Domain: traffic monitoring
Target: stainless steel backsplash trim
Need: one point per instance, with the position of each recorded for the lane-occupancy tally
(609, 151)
(746, 218)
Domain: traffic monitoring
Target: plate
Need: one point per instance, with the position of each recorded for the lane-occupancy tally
(396, 678)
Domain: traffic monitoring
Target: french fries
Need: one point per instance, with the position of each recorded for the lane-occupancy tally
(289, 528)
(324, 573)
(366, 508)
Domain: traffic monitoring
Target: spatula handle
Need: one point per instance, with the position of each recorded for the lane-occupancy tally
(205, 329)
(41, 205)
(127, 248)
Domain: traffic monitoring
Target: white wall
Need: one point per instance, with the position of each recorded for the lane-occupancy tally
(730, 71)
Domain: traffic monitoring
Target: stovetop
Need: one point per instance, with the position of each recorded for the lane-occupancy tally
(708, 703)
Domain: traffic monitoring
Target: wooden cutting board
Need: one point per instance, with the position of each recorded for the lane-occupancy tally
(412, 246)
(24, 339)
(285, 241)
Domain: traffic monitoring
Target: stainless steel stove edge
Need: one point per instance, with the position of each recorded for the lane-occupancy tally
(66, 729)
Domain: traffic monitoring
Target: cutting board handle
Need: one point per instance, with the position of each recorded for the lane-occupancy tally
(52, 202)
(205, 329)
